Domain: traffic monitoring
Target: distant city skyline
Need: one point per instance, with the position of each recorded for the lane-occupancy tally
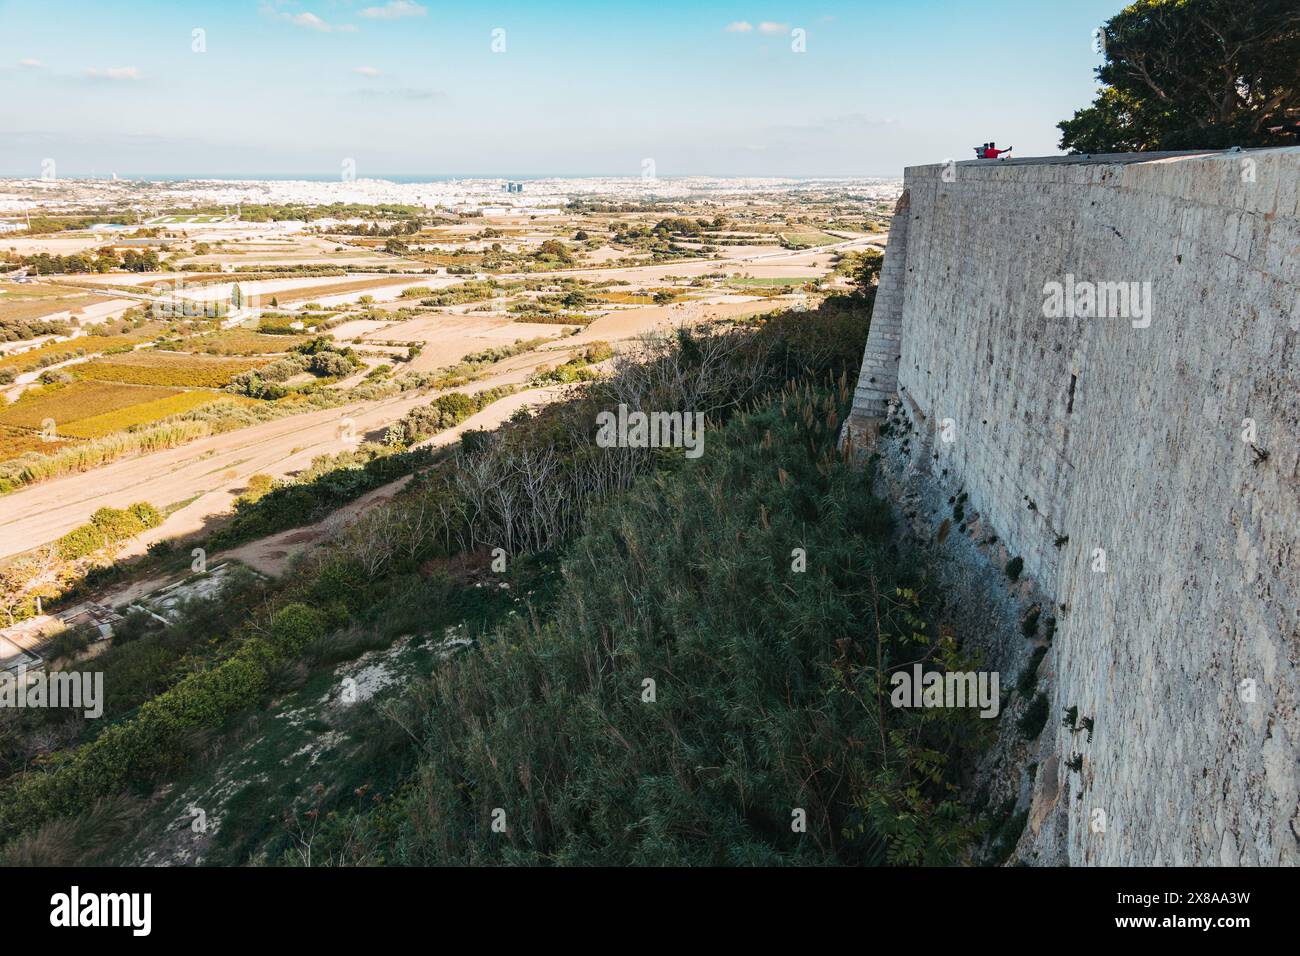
(407, 89)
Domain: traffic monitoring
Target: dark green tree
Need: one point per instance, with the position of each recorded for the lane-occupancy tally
(1194, 74)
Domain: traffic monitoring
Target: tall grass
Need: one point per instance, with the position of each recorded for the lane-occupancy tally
(83, 456)
(769, 684)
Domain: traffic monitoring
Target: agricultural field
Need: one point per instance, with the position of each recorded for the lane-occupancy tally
(85, 410)
(238, 342)
(145, 413)
(774, 282)
(19, 441)
(446, 338)
(177, 220)
(808, 239)
(167, 284)
(605, 268)
(260, 249)
(21, 301)
(75, 401)
(260, 288)
(319, 291)
(645, 297)
(85, 344)
(165, 368)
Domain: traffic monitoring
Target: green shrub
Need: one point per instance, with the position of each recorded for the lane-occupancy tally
(68, 644)
(158, 738)
(576, 369)
(1029, 676)
(1029, 624)
(1004, 839)
(294, 626)
(258, 487)
(1035, 716)
(107, 527)
(445, 411)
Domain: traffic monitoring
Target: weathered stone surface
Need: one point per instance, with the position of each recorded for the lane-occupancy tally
(1129, 440)
(879, 378)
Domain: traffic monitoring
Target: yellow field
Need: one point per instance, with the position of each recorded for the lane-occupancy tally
(145, 413)
(76, 401)
(86, 409)
(164, 368)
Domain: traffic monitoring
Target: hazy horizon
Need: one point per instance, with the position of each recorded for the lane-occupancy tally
(416, 178)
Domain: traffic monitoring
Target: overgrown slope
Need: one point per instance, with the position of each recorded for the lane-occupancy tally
(768, 704)
(758, 587)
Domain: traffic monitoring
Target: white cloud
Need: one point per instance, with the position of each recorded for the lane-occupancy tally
(115, 73)
(366, 70)
(31, 64)
(767, 26)
(308, 21)
(394, 10)
(313, 22)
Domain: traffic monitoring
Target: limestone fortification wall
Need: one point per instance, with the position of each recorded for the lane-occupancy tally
(1076, 435)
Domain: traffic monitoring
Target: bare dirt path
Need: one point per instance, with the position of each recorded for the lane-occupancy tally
(272, 555)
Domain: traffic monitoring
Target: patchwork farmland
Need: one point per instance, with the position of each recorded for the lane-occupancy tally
(247, 339)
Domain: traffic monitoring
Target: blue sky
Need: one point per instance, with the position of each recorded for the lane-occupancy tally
(595, 88)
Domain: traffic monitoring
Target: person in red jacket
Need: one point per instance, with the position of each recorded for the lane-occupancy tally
(992, 152)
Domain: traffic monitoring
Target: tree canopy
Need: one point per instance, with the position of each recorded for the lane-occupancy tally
(1194, 74)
